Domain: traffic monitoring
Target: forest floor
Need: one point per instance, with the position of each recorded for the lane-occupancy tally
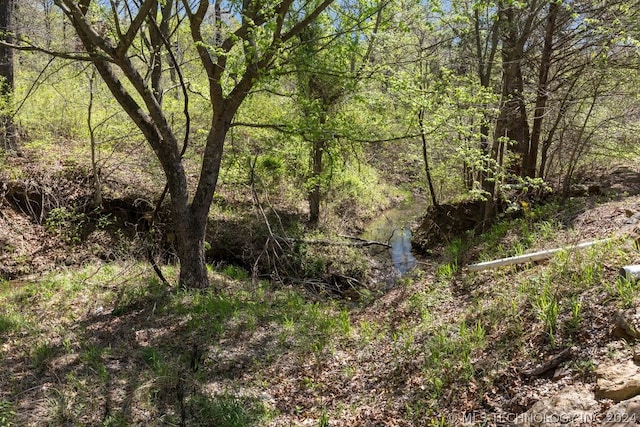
(89, 337)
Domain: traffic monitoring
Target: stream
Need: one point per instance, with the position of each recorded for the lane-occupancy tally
(394, 226)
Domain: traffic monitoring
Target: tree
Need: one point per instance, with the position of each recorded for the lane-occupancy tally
(321, 87)
(331, 63)
(255, 33)
(542, 92)
(7, 128)
(479, 40)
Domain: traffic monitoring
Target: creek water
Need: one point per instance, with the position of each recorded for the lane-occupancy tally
(394, 226)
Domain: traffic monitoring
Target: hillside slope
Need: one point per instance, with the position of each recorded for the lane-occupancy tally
(100, 342)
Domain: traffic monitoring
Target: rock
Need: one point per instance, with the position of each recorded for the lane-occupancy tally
(571, 406)
(629, 321)
(623, 414)
(636, 352)
(618, 382)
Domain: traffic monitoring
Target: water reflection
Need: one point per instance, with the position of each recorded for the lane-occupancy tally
(394, 226)
(401, 254)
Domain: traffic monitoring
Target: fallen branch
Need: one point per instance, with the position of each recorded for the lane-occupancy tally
(365, 242)
(357, 243)
(549, 364)
(535, 256)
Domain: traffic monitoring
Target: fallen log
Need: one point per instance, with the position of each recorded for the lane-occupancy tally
(358, 242)
(535, 256)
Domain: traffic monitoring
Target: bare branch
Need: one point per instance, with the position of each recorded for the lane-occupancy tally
(125, 42)
(75, 56)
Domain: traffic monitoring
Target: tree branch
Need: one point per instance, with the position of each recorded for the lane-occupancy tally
(75, 56)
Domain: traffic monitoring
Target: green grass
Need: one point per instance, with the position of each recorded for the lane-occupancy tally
(546, 307)
(234, 272)
(11, 321)
(69, 346)
(7, 413)
(449, 356)
(625, 292)
(226, 410)
(518, 236)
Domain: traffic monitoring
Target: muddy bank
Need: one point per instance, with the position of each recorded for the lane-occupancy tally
(442, 223)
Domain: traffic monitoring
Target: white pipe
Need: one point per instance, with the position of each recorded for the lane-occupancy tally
(535, 256)
(630, 272)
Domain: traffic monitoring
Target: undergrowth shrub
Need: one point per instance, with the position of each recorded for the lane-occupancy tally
(66, 222)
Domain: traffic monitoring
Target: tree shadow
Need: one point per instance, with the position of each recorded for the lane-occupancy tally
(138, 363)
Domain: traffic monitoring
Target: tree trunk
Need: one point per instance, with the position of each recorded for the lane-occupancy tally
(425, 157)
(489, 185)
(190, 238)
(564, 105)
(315, 195)
(97, 184)
(191, 220)
(158, 34)
(127, 81)
(581, 141)
(485, 53)
(7, 128)
(512, 122)
(542, 92)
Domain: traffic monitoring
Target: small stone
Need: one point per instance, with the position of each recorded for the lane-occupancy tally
(578, 190)
(618, 382)
(636, 352)
(618, 332)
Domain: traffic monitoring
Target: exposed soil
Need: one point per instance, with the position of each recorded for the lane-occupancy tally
(445, 222)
